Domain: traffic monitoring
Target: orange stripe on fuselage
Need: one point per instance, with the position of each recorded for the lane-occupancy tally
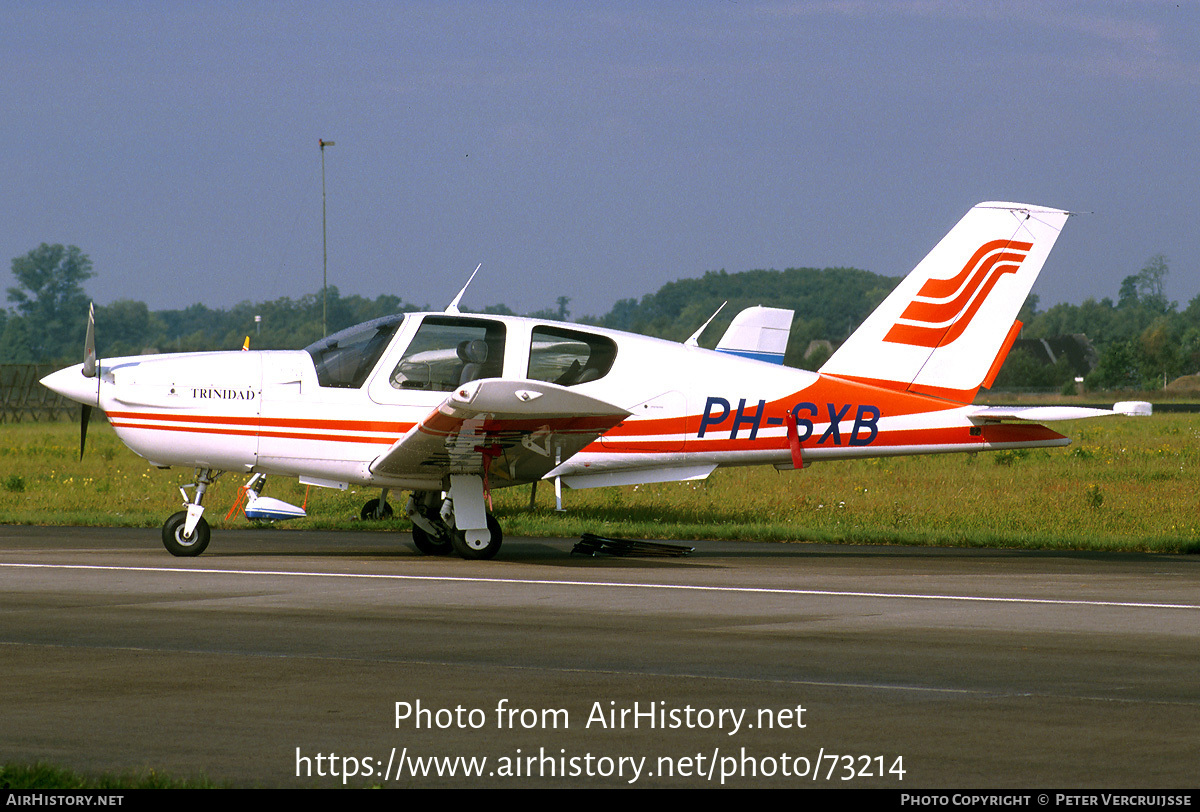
(229, 432)
(887, 396)
(282, 422)
(253, 425)
(841, 395)
(886, 439)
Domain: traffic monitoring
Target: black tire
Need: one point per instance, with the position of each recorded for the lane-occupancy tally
(431, 545)
(181, 545)
(481, 553)
(372, 513)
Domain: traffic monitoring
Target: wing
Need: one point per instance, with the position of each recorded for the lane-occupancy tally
(516, 430)
(1043, 414)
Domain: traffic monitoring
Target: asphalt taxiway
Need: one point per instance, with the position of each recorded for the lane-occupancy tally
(323, 653)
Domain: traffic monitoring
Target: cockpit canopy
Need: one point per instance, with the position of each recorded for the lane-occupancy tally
(447, 351)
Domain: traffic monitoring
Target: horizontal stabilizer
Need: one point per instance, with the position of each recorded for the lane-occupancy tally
(1046, 414)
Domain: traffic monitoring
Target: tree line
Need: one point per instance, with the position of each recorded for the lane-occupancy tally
(1141, 338)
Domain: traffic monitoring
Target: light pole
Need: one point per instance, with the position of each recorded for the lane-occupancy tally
(324, 247)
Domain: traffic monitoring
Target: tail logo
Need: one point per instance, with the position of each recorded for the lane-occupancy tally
(943, 308)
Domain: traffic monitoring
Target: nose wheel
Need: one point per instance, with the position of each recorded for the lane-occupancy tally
(186, 533)
(179, 542)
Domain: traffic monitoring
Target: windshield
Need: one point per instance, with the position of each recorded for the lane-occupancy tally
(346, 358)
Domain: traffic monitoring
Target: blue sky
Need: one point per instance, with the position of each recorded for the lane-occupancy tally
(593, 150)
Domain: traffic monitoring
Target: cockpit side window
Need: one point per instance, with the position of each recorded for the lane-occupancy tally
(346, 358)
(569, 357)
(447, 352)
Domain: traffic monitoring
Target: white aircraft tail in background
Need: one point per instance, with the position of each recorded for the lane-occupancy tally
(760, 333)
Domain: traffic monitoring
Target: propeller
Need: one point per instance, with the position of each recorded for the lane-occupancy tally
(89, 344)
(90, 370)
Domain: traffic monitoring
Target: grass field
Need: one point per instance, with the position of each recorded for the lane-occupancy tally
(1123, 484)
(47, 776)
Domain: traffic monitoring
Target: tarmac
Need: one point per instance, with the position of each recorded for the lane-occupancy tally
(316, 659)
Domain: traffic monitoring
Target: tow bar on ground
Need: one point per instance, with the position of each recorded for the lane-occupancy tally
(593, 545)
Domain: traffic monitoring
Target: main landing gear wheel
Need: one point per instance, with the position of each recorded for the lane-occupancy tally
(431, 545)
(179, 544)
(372, 512)
(481, 550)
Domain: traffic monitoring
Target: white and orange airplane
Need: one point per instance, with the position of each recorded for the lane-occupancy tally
(449, 406)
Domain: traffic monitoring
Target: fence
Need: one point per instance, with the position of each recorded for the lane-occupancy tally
(22, 398)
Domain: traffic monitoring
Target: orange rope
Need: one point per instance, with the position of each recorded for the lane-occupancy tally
(236, 503)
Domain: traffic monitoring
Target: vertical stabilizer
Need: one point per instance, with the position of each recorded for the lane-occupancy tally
(941, 329)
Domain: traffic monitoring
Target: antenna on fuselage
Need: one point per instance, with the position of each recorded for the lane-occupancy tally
(695, 339)
(453, 306)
